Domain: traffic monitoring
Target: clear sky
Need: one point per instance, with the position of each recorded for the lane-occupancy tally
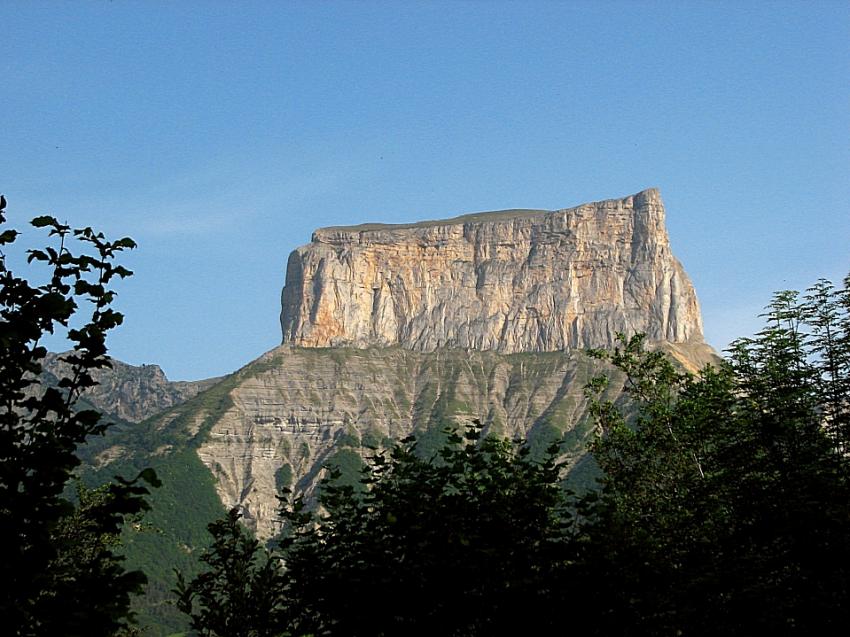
(220, 134)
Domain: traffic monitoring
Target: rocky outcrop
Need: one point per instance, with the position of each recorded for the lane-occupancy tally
(511, 281)
(129, 392)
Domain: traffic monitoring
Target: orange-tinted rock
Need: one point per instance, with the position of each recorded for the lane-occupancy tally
(511, 281)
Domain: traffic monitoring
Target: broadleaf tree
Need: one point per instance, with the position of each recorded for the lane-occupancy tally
(241, 593)
(469, 541)
(60, 573)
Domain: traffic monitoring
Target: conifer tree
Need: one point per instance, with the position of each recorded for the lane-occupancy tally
(724, 502)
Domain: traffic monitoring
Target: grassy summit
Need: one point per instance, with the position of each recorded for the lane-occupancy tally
(497, 215)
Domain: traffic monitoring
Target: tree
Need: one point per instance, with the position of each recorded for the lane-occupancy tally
(826, 311)
(724, 501)
(469, 541)
(651, 523)
(241, 593)
(59, 572)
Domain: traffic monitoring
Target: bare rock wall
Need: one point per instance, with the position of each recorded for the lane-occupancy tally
(511, 281)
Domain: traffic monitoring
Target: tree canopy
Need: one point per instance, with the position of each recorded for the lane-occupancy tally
(725, 497)
(452, 544)
(59, 574)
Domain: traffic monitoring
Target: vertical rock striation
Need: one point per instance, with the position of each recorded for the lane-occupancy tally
(294, 410)
(511, 281)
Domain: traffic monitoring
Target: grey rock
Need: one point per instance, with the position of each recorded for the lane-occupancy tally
(298, 407)
(130, 392)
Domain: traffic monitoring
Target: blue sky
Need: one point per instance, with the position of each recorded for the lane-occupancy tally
(220, 134)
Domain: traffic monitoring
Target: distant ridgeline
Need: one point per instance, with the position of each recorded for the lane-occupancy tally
(130, 393)
(390, 330)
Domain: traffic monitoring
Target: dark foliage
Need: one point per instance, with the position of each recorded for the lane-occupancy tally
(59, 573)
(454, 544)
(469, 541)
(724, 507)
(239, 595)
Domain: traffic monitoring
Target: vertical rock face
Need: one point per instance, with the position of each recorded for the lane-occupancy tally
(511, 281)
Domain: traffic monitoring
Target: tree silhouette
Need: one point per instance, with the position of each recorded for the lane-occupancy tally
(59, 573)
(724, 500)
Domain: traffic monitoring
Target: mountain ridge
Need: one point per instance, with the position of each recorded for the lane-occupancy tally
(483, 216)
(130, 393)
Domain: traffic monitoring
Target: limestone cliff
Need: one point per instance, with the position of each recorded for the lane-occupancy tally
(510, 281)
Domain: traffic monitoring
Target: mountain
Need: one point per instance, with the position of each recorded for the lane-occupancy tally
(395, 329)
(392, 330)
(130, 393)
